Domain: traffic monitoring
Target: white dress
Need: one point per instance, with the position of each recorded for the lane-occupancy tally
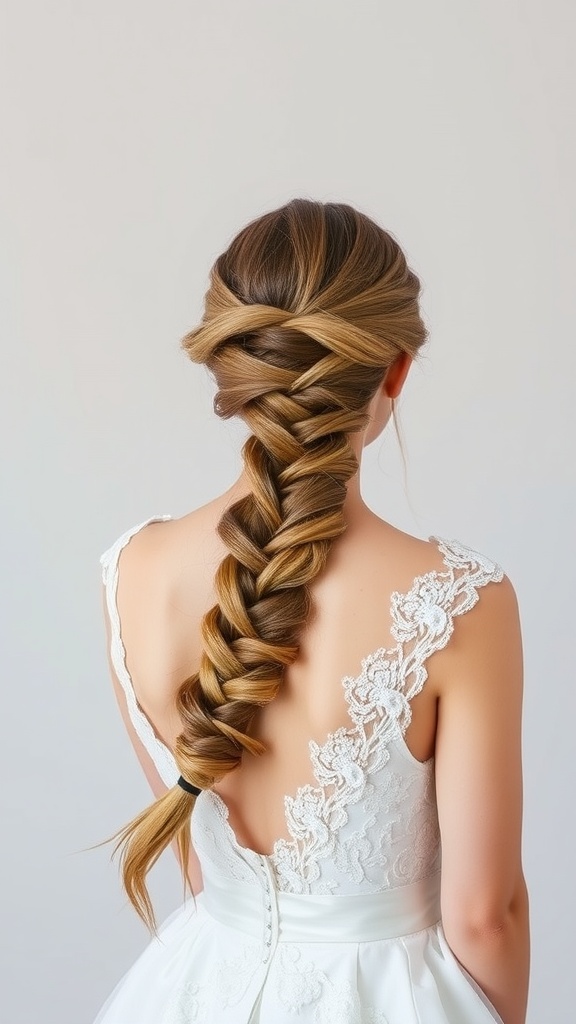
(341, 924)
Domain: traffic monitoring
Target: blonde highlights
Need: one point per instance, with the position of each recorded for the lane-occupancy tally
(305, 311)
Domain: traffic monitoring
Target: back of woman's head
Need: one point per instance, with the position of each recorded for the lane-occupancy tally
(305, 311)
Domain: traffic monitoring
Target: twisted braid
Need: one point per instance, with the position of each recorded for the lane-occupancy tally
(298, 460)
(304, 313)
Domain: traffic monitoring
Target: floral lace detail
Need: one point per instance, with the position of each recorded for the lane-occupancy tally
(225, 986)
(297, 980)
(231, 978)
(187, 1007)
(300, 983)
(419, 852)
(348, 766)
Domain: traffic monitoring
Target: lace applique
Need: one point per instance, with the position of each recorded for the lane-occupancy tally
(230, 978)
(419, 838)
(161, 755)
(398, 839)
(340, 1004)
(225, 986)
(299, 983)
(296, 978)
(379, 705)
(188, 1006)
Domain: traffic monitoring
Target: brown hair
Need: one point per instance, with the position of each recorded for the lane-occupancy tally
(305, 311)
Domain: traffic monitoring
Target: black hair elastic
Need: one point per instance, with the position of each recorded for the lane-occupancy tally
(188, 786)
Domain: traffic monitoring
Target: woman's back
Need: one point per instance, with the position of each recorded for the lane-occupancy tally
(352, 813)
(166, 587)
(328, 707)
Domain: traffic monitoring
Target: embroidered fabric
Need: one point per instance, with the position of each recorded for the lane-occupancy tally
(331, 846)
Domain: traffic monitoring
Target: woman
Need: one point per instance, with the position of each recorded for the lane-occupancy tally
(330, 707)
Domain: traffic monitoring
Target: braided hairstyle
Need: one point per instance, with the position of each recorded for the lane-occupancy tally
(304, 313)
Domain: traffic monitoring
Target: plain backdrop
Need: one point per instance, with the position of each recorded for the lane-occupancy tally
(136, 139)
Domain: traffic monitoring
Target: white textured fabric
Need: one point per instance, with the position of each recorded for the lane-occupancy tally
(295, 936)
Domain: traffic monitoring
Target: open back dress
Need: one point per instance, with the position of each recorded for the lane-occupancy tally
(341, 924)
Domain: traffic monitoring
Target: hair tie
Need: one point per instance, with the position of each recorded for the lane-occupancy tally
(188, 786)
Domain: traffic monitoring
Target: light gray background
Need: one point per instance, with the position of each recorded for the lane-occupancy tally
(137, 138)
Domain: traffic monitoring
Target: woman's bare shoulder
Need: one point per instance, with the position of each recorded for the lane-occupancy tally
(165, 586)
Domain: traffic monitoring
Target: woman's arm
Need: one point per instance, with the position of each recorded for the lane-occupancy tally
(479, 791)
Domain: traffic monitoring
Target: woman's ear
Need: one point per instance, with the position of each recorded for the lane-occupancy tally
(396, 375)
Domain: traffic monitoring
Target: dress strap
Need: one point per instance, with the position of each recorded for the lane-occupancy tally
(423, 618)
(422, 623)
(161, 755)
